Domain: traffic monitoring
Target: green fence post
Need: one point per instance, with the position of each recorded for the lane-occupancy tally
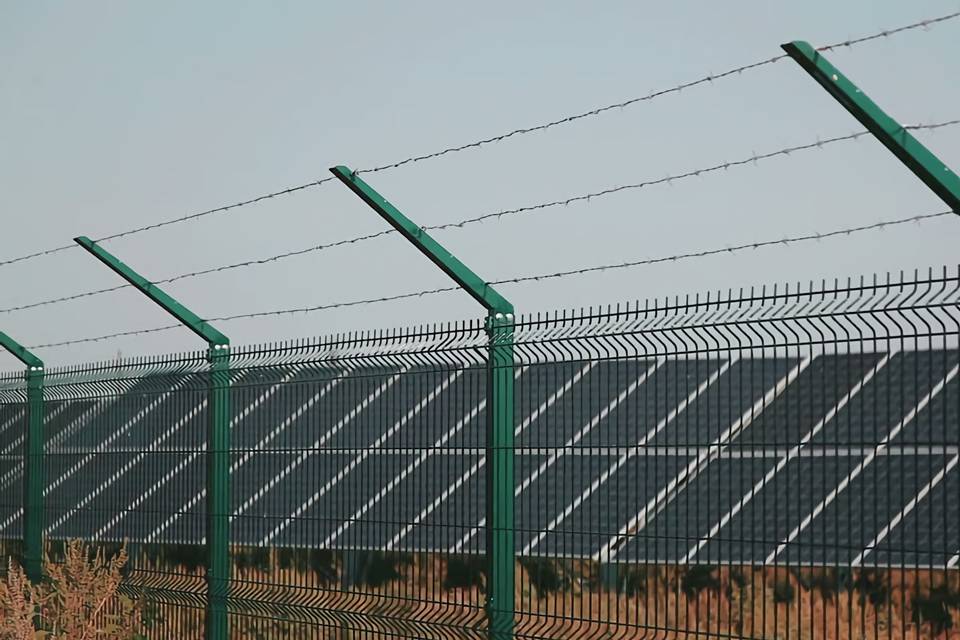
(218, 494)
(940, 178)
(32, 460)
(500, 428)
(218, 440)
(500, 483)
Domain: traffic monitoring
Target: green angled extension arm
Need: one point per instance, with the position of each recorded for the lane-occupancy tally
(19, 352)
(940, 178)
(448, 263)
(171, 306)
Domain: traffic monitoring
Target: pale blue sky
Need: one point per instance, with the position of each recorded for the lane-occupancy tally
(118, 114)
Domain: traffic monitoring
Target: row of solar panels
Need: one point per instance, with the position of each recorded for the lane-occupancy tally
(387, 459)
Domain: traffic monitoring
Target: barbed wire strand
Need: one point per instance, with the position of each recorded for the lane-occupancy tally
(723, 166)
(728, 249)
(708, 79)
(579, 116)
(786, 241)
(923, 24)
(202, 272)
(482, 218)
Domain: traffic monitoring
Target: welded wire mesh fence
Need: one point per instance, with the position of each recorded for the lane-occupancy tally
(774, 462)
(771, 463)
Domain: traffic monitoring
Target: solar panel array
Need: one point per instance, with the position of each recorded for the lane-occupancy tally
(832, 459)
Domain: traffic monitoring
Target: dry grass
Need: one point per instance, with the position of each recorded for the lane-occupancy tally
(674, 602)
(79, 600)
(576, 601)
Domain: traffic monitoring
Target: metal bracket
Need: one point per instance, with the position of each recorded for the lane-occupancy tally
(940, 178)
